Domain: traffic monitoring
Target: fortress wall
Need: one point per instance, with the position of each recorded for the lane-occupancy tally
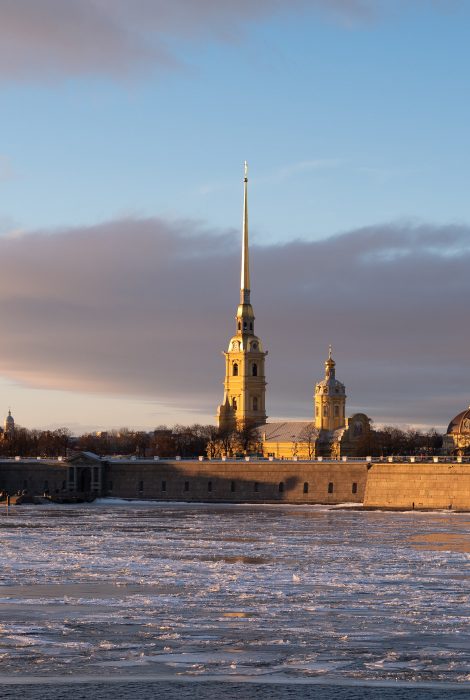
(33, 476)
(394, 486)
(252, 482)
(399, 486)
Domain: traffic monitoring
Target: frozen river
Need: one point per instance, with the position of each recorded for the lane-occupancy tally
(269, 594)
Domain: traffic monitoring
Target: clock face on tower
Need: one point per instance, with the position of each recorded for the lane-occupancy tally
(235, 345)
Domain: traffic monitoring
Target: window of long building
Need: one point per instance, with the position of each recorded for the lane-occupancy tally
(306, 487)
(330, 487)
(209, 486)
(163, 485)
(354, 487)
(186, 485)
(141, 485)
(232, 486)
(281, 487)
(256, 487)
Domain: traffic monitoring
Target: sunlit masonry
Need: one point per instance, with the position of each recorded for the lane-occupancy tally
(303, 462)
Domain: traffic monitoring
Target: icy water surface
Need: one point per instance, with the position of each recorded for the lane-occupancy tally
(266, 594)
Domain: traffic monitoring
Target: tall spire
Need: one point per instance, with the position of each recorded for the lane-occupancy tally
(245, 271)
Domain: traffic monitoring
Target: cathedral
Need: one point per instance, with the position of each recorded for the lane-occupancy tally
(328, 434)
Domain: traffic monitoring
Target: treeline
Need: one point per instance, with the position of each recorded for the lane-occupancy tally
(36, 443)
(183, 441)
(390, 440)
(197, 440)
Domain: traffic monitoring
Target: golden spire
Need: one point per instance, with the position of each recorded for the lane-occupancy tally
(245, 272)
(330, 364)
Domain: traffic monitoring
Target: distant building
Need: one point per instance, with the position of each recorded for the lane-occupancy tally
(329, 434)
(8, 427)
(457, 438)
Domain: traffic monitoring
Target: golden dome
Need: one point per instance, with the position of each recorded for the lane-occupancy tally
(460, 425)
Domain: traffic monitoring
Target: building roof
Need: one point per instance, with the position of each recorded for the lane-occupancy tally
(460, 424)
(292, 431)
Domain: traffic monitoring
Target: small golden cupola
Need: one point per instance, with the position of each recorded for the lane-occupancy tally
(330, 399)
(245, 383)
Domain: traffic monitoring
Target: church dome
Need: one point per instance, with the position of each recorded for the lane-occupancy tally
(460, 425)
(9, 422)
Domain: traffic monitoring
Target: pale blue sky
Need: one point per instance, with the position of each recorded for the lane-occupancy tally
(130, 109)
(344, 123)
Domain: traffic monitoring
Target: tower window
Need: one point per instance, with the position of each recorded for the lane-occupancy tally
(235, 370)
(239, 326)
(254, 370)
(330, 487)
(245, 325)
(317, 411)
(234, 404)
(336, 411)
(255, 403)
(251, 326)
(325, 410)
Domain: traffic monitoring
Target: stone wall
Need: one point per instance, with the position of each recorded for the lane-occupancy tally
(419, 486)
(247, 482)
(385, 485)
(33, 476)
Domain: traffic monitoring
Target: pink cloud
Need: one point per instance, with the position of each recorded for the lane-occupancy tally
(145, 307)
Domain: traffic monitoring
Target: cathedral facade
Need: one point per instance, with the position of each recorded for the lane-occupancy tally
(328, 434)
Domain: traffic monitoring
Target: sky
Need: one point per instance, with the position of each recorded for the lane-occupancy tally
(124, 127)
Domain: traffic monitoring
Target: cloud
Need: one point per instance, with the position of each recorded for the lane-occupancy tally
(53, 39)
(145, 307)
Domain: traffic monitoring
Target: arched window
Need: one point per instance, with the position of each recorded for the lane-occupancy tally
(239, 326)
(254, 370)
(234, 404)
(255, 403)
(235, 370)
(251, 326)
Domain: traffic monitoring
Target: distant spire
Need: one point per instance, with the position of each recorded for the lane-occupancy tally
(245, 272)
(330, 364)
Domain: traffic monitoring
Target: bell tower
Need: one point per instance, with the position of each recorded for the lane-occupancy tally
(245, 383)
(330, 399)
